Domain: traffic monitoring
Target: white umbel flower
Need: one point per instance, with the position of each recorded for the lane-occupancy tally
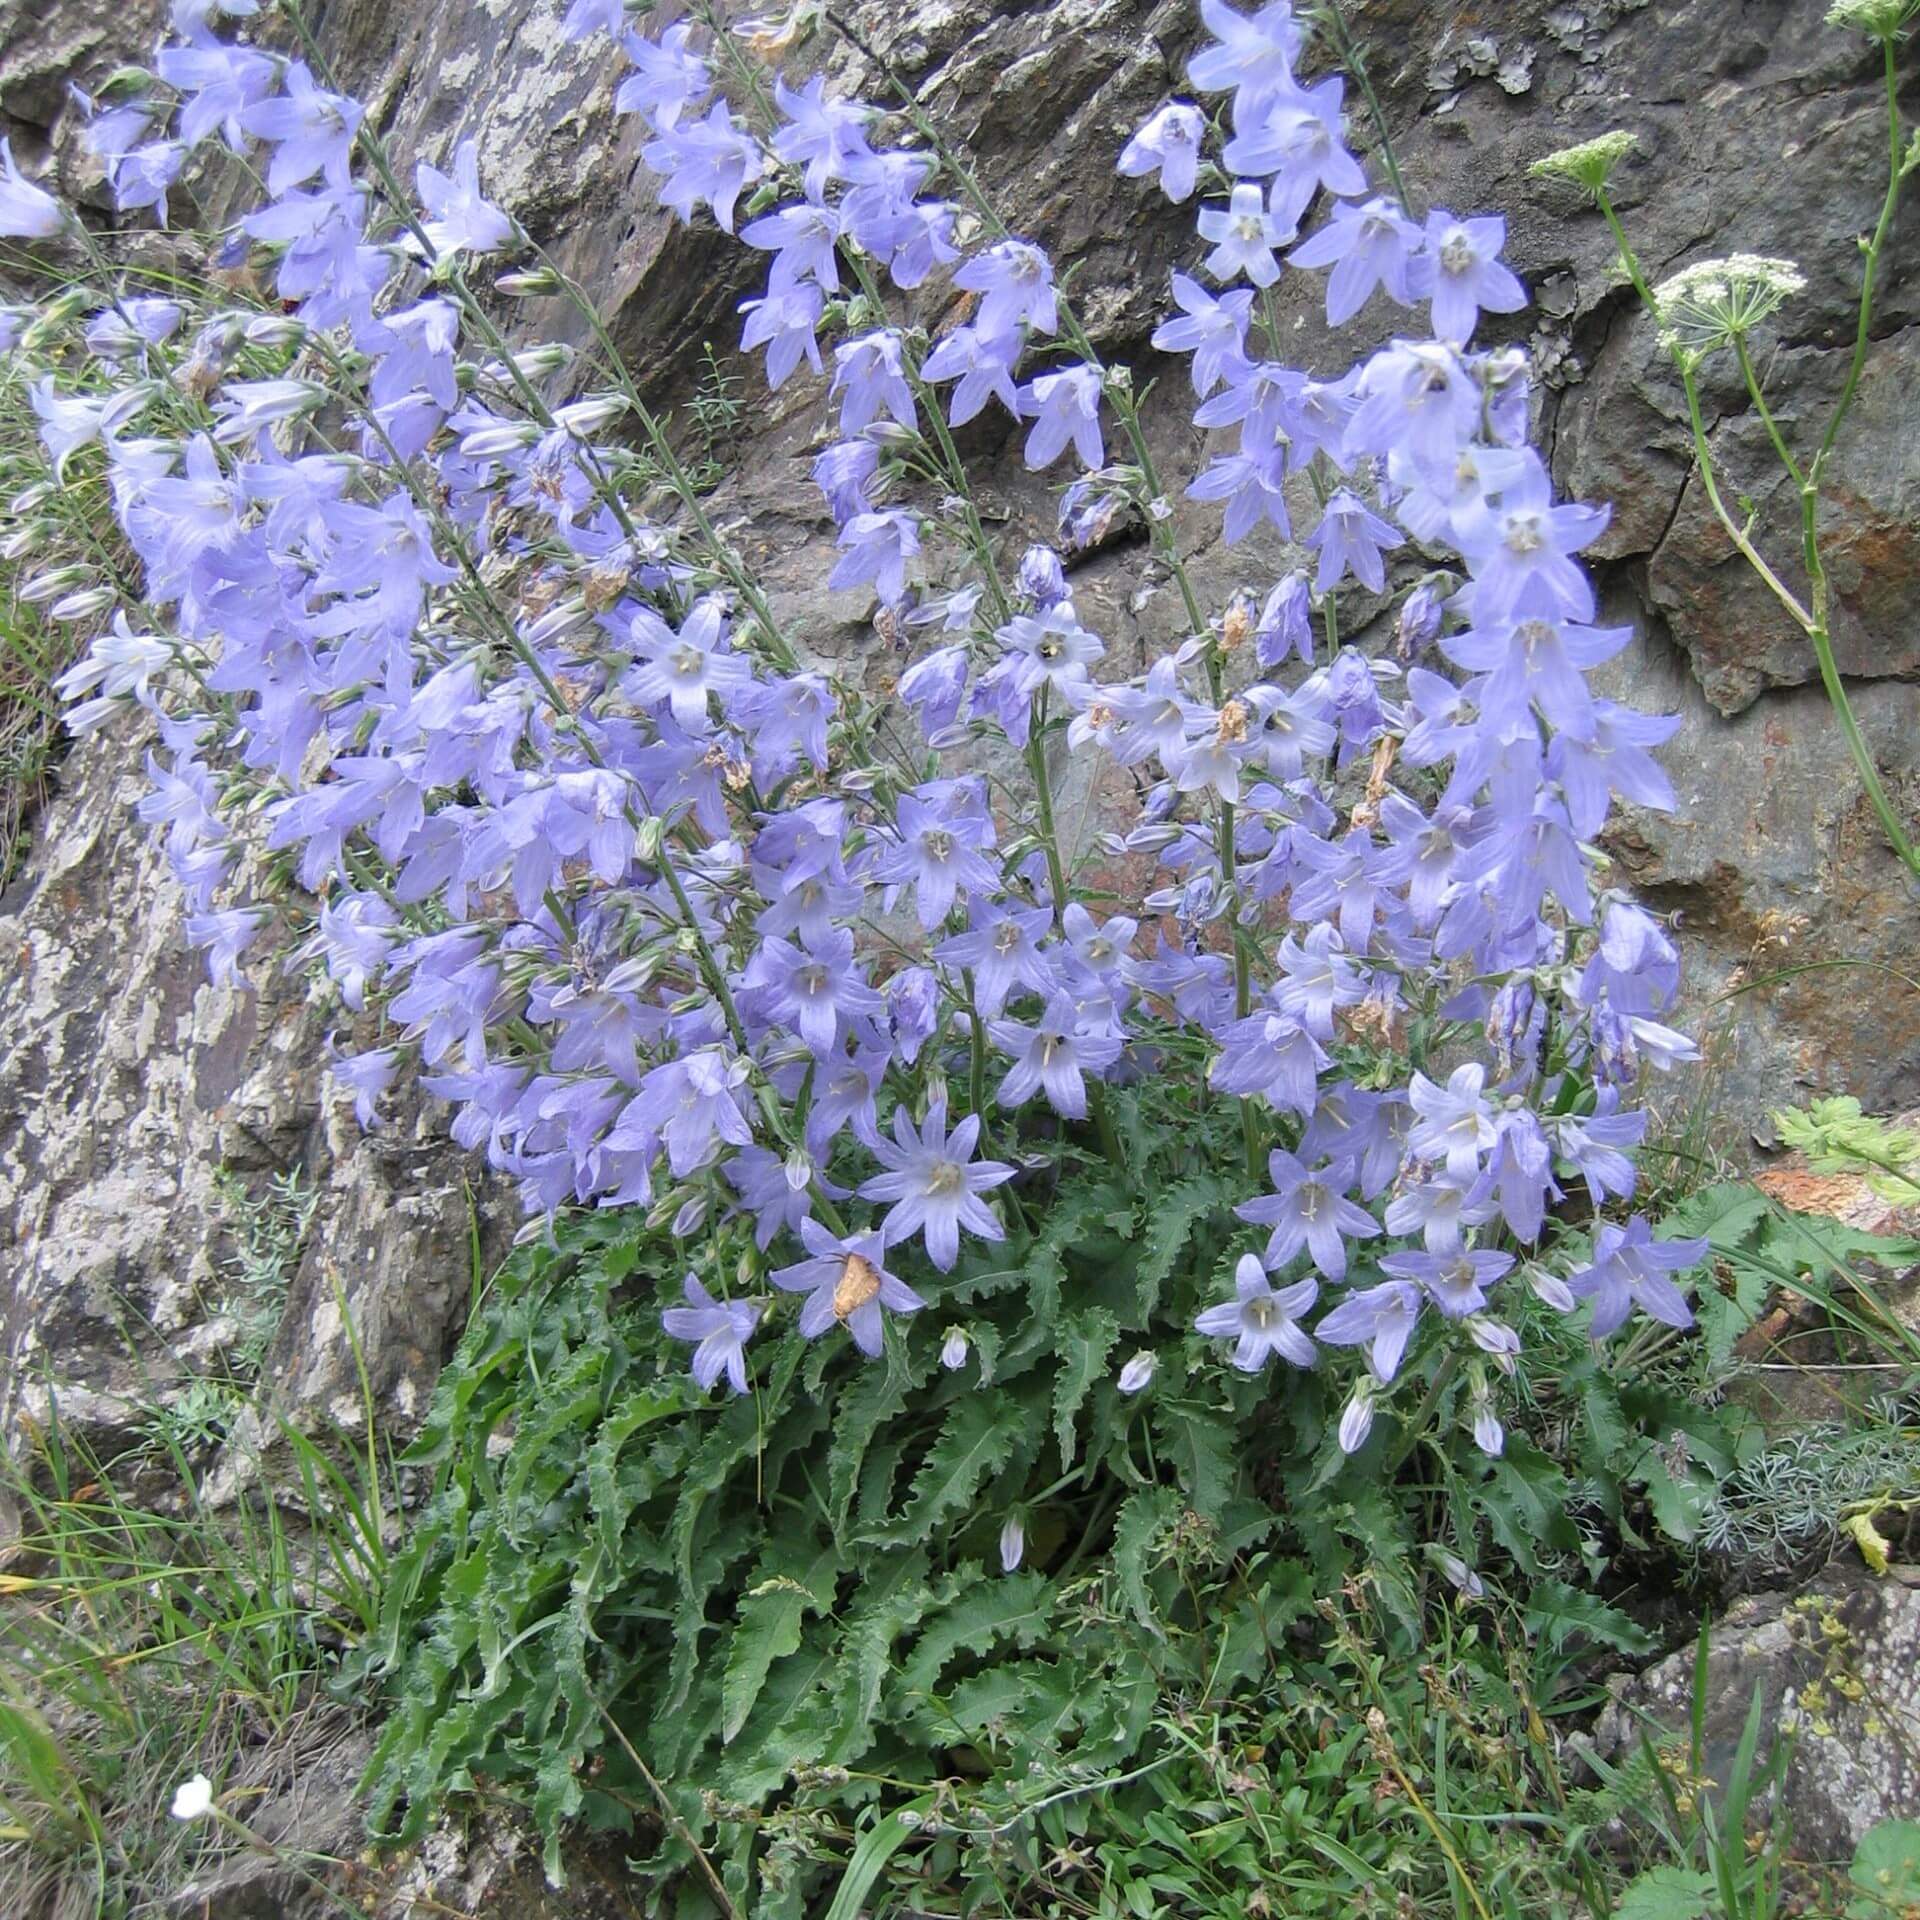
(1715, 302)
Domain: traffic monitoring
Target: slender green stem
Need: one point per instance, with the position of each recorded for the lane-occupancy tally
(1416, 1429)
(1043, 797)
(1856, 740)
(1703, 454)
(1350, 58)
(1895, 168)
(1756, 394)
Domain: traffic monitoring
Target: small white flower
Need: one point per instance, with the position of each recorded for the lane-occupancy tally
(953, 1352)
(1137, 1373)
(193, 1799)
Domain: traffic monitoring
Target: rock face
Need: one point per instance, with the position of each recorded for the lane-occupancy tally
(125, 1082)
(1834, 1670)
(139, 1109)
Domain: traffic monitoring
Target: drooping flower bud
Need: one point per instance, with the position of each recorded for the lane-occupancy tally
(1013, 1544)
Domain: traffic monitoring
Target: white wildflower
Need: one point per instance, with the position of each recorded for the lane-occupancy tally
(193, 1799)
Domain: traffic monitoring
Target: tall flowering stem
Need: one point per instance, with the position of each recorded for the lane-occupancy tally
(1715, 306)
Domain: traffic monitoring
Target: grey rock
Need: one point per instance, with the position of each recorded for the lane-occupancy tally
(1834, 1669)
(128, 1085)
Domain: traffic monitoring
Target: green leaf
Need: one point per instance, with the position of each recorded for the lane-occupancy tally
(980, 1614)
(1728, 1214)
(784, 1589)
(877, 1396)
(1666, 1893)
(1171, 1219)
(1525, 1501)
(977, 1440)
(1558, 1613)
(877, 1846)
(1144, 1518)
(1886, 1867)
(883, 1610)
(1202, 1447)
(1085, 1340)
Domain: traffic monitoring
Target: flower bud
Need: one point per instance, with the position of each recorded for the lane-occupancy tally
(1549, 1288)
(528, 283)
(536, 362)
(503, 436)
(52, 584)
(79, 606)
(583, 417)
(648, 838)
(1042, 577)
(1013, 1544)
(1419, 624)
(1137, 1375)
(1488, 1434)
(275, 330)
(953, 1350)
(1356, 1422)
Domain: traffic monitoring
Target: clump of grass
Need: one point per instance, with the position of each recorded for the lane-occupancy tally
(138, 1647)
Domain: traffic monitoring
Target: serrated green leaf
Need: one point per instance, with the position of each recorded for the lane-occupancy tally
(978, 1615)
(1084, 1342)
(1199, 1443)
(784, 1588)
(1171, 1219)
(1144, 1518)
(1557, 1612)
(876, 1396)
(978, 1439)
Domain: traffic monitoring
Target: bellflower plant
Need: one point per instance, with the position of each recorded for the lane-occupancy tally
(1268, 1091)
